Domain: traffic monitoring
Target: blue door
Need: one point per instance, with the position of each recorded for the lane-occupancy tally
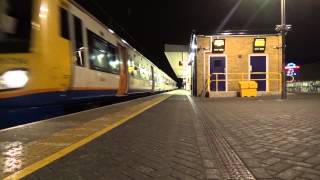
(259, 65)
(218, 81)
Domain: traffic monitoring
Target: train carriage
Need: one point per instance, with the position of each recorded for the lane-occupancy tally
(140, 74)
(55, 52)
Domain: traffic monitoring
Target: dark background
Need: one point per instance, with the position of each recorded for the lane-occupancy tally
(148, 25)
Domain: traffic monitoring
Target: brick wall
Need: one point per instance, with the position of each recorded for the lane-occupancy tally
(237, 50)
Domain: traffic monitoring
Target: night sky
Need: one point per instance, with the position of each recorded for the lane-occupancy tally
(149, 25)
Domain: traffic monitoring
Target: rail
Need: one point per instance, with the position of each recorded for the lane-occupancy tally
(236, 77)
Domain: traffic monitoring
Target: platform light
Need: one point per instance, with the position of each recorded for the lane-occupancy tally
(14, 79)
(194, 46)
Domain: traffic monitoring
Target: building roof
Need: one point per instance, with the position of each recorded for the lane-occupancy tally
(177, 55)
(239, 32)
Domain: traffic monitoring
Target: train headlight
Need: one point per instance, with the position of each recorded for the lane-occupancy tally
(13, 79)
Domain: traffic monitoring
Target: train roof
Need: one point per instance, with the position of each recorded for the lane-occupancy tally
(115, 34)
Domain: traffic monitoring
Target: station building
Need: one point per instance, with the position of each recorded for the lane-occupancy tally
(220, 61)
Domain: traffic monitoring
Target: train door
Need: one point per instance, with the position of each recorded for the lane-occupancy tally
(217, 73)
(258, 69)
(79, 60)
(123, 84)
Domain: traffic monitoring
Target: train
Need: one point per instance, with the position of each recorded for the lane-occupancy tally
(55, 52)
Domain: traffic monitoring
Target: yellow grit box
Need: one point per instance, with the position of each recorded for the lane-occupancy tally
(221, 61)
(248, 88)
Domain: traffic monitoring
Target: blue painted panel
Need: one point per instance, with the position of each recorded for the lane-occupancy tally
(16, 116)
(30, 108)
(258, 64)
(52, 98)
(217, 65)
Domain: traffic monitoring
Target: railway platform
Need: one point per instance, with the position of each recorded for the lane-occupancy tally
(171, 136)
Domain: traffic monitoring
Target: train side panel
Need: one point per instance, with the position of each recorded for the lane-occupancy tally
(139, 74)
(90, 72)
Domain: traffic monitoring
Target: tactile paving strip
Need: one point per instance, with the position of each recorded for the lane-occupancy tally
(230, 165)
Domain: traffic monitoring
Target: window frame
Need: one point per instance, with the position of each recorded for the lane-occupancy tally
(64, 23)
(91, 36)
(78, 43)
(21, 41)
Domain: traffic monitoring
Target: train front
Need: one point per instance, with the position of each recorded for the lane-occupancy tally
(34, 58)
(15, 39)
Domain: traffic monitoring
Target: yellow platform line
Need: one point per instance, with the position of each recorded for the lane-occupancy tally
(47, 160)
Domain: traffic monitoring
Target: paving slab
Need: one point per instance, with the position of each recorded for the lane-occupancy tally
(281, 138)
(26, 148)
(199, 138)
(161, 143)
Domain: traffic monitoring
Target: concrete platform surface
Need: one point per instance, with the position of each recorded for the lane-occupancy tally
(185, 138)
(27, 148)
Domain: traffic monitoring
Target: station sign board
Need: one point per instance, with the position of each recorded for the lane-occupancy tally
(259, 45)
(291, 70)
(218, 46)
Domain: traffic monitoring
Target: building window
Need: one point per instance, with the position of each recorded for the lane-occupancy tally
(102, 55)
(217, 63)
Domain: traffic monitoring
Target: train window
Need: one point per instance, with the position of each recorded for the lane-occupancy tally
(78, 32)
(131, 67)
(102, 55)
(15, 25)
(79, 49)
(64, 24)
(150, 72)
(138, 72)
(136, 67)
(143, 72)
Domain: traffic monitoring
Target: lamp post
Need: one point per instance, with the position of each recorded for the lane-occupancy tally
(283, 34)
(283, 28)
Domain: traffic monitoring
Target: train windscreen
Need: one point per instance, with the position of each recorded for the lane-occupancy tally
(15, 25)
